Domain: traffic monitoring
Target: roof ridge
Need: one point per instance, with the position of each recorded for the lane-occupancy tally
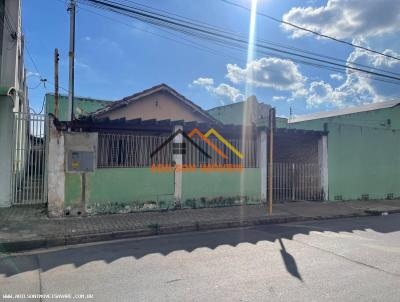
(345, 111)
(155, 88)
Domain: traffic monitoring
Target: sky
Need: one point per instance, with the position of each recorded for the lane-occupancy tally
(117, 56)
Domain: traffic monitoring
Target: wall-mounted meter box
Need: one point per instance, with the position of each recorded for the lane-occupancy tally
(80, 152)
(80, 161)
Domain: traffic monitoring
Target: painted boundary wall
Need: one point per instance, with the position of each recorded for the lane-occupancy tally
(363, 160)
(222, 184)
(119, 189)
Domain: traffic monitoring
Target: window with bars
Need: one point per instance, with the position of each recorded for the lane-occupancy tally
(133, 151)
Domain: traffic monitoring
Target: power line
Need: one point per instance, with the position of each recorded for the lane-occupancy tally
(226, 31)
(312, 31)
(210, 33)
(42, 80)
(192, 44)
(184, 41)
(33, 61)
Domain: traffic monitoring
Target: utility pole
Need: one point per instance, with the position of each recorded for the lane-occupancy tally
(56, 59)
(271, 157)
(71, 9)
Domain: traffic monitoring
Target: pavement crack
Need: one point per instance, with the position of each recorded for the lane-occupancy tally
(347, 259)
(174, 280)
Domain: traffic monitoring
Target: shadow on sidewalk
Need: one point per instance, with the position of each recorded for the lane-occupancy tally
(164, 245)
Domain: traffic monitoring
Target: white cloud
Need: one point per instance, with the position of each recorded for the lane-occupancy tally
(223, 91)
(365, 88)
(346, 18)
(357, 88)
(363, 22)
(203, 82)
(322, 93)
(32, 74)
(278, 98)
(375, 60)
(336, 76)
(279, 74)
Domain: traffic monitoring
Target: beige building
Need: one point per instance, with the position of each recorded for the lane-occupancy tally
(160, 102)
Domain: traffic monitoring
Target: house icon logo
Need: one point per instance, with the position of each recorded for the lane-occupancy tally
(180, 148)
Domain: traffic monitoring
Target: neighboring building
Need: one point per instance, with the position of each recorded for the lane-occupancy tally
(13, 92)
(159, 102)
(82, 106)
(363, 149)
(383, 115)
(251, 111)
(363, 145)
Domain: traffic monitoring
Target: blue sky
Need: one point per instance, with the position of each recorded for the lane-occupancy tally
(117, 56)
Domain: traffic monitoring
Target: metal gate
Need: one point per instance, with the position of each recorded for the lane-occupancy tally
(29, 183)
(296, 181)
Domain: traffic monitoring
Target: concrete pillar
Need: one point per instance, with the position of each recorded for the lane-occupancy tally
(263, 163)
(6, 144)
(323, 164)
(177, 158)
(55, 172)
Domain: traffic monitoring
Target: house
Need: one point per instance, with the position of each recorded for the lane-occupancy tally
(103, 162)
(159, 102)
(299, 155)
(13, 98)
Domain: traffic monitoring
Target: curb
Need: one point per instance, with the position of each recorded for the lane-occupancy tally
(381, 212)
(40, 243)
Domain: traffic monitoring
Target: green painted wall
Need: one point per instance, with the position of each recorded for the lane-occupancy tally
(363, 153)
(281, 122)
(376, 119)
(363, 160)
(123, 185)
(226, 184)
(82, 106)
(73, 189)
(135, 186)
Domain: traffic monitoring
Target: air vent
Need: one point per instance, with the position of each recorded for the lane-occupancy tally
(338, 197)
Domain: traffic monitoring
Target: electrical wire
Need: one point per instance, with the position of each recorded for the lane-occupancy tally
(37, 70)
(31, 88)
(219, 53)
(226, 31)
(312, 31)
(213, 34)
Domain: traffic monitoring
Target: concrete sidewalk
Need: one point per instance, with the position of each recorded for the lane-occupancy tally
(29, 228)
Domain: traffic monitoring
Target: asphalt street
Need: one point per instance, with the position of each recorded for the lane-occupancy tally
(332, 260)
